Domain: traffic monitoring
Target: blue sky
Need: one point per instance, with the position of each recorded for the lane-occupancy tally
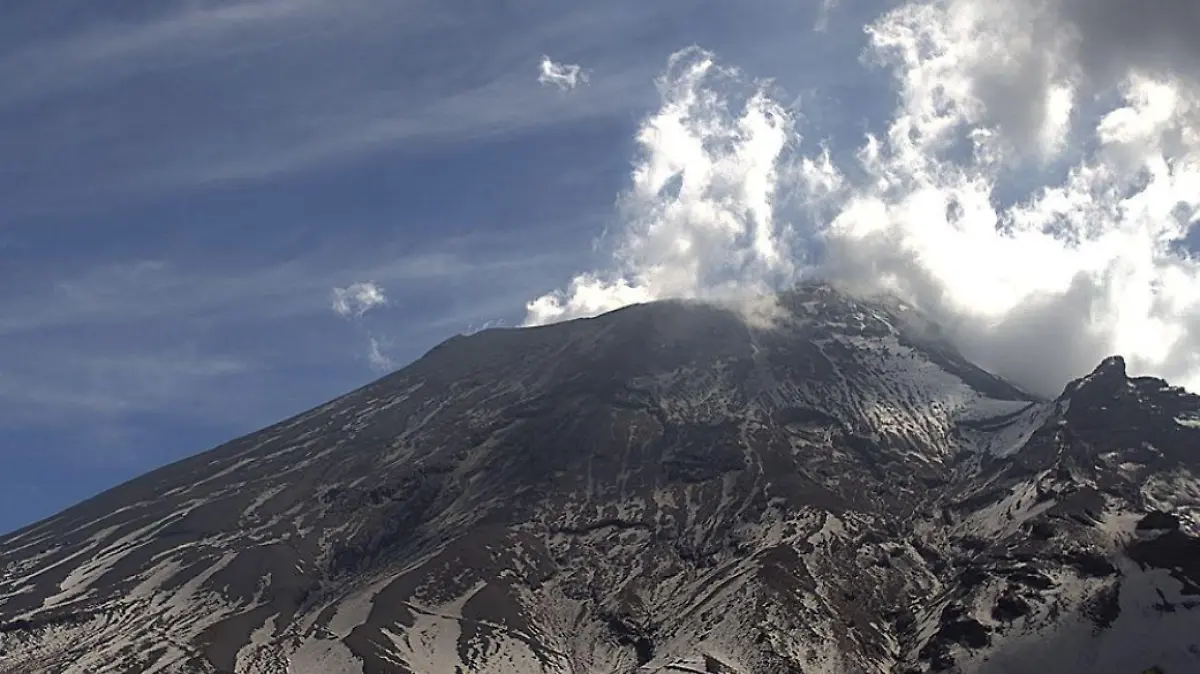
(184, 183)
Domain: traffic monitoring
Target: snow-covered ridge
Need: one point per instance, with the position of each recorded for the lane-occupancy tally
(662, 489)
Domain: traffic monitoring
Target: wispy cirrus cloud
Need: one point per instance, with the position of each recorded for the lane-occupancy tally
(215, 131)
(119, 382)
(247, 292)
(565, 76)
(179, 34)
(823, 11)
(142, 336)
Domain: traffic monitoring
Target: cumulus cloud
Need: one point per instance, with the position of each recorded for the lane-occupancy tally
(565, 76)
(1034, 187)
(357, 299)
(698, 220)
(1023, 68)
(1038, 284)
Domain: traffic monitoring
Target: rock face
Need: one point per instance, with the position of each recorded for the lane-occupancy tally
(661, 489)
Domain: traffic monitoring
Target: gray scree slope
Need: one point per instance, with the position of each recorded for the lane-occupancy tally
(661, 490)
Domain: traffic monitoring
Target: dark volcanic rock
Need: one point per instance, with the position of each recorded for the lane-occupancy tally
(1158, 520)
(1175, 552)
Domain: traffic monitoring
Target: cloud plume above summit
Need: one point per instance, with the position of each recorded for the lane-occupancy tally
(1034, 187)
(698, 220)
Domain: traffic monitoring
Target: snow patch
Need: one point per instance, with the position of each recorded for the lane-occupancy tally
(1188, 420)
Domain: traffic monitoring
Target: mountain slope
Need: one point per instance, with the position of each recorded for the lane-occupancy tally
(659, 489)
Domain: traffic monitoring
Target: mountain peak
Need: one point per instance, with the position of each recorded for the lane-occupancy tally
(663, 488)
(1111, 367)
(1107, 377)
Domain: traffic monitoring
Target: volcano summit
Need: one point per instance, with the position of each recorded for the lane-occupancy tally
(662, 489)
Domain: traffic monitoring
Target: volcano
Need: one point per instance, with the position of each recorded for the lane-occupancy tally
(662, 489)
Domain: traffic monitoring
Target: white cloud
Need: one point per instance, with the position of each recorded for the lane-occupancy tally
(698, 220)
(1039, 287)
(354, 301)
(823, 11)
(376, 357)
(1030, 189)
(474, 327)
(357, 299)
(565, 76)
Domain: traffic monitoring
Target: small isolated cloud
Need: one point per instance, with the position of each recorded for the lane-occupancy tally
(565, 76)
(354, 301)
(357, 299)
(376, 357)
